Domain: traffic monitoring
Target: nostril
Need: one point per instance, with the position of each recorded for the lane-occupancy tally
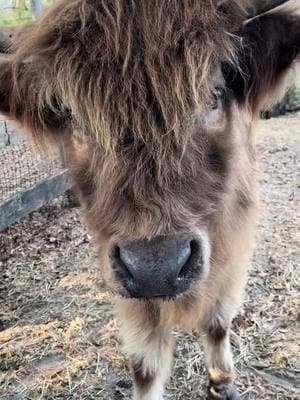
(119, 263)
(115, 255)
(187, 268)
(184, 255)
(130, 260)
(116, 252)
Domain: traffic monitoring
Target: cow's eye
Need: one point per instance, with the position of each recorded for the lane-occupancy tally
(215, 109)
(217, 98)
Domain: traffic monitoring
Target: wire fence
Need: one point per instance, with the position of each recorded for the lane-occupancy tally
(21, 168)
(28, 180)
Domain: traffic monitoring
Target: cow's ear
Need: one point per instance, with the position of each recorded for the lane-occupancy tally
(270, 46)
(27, 97)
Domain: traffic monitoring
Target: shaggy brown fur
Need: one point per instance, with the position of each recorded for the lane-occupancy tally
(154, 101)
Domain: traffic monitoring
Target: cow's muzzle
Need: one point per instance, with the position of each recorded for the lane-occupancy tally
(162, 267)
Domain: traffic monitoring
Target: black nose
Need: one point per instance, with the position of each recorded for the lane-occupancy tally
(162, 267)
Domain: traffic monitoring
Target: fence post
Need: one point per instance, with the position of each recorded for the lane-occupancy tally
(36, 8)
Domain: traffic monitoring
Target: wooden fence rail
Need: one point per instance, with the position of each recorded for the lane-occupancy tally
(31, 199)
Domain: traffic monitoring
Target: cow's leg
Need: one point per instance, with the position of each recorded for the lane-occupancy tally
(222, 294)
(215, 328)
(149, 347)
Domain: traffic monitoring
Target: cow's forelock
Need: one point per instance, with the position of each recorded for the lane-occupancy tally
(141, 96)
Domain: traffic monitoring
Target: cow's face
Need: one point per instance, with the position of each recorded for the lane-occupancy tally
(155, 106)
(155, 203)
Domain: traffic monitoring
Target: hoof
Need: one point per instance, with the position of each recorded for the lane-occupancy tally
(222, 391)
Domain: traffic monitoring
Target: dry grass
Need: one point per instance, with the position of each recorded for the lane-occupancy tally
(58, 335)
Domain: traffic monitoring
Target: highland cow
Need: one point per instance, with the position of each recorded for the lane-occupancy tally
(154, 102)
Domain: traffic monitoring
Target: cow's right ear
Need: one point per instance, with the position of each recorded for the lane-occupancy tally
(270, 46)
(26, 97)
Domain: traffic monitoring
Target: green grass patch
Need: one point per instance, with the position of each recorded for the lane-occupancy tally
(21, 13)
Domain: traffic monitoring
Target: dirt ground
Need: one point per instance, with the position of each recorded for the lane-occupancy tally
(58, 335)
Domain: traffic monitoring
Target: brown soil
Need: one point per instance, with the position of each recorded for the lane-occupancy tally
(58, 335)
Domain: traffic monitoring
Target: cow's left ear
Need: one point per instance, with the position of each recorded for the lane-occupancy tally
(270, 46)
(27, 98)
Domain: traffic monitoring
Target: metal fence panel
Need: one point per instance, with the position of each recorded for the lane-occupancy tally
(28, 180)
